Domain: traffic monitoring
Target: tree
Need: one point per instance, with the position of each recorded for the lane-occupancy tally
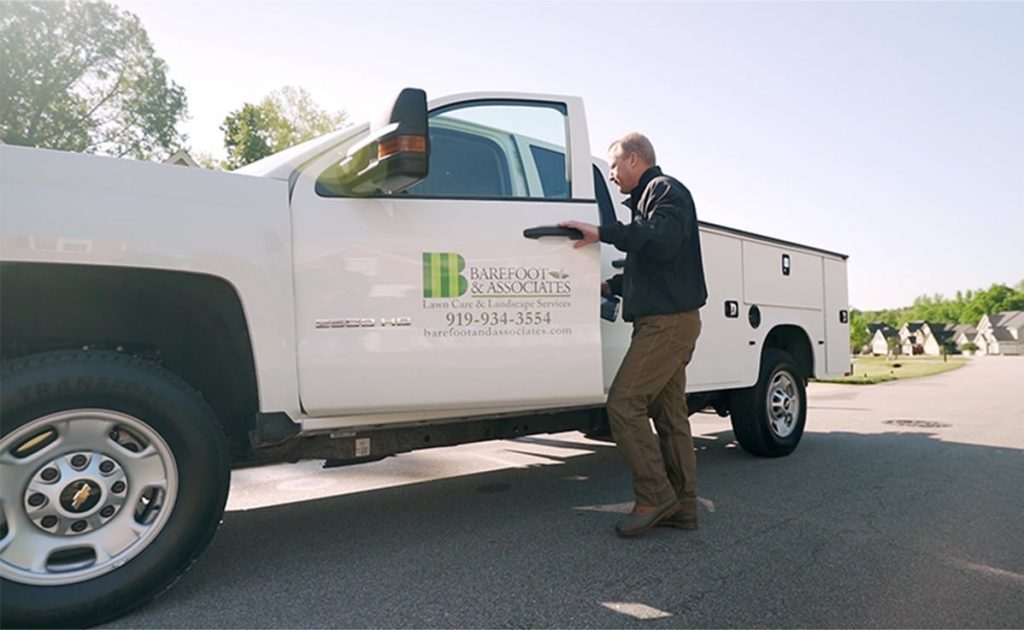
(893, 347)
(996, 299)
(80, 76)
(281, 120)
(206, 160)
(247, 136)
(859, 334)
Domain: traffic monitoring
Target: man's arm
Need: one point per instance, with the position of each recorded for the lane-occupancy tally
(589, 232)
(666, 229)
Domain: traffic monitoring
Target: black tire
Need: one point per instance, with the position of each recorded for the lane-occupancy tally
(36, 388)
(758, 429)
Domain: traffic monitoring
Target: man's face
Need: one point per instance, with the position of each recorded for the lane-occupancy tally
(626, 169)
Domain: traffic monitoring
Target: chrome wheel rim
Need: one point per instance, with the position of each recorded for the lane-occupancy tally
(82, 492)
(783, 404)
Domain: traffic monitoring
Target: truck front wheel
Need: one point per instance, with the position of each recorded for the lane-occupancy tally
(768, 419)
(114, 474)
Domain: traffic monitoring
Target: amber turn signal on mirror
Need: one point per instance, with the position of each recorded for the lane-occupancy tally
(401, 144)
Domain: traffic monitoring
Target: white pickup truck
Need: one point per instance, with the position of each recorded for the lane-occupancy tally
(385, 288)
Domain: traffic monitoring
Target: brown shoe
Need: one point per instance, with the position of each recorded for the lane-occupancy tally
(635, 524)
(680, 521)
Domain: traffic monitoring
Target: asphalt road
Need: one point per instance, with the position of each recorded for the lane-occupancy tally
(902, 507)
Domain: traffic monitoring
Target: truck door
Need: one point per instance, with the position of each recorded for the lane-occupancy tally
(837, 318)
(433, 299)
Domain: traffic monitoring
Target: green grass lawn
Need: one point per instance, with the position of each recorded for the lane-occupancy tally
(871, 370)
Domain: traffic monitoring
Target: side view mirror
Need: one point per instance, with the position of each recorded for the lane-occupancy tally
(395, 154)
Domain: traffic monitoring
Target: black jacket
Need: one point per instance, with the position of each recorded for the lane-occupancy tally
(664, 271)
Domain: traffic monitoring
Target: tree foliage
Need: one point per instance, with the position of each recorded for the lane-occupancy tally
(83, 76)
(859, 335)
(247, 135)
(283, 119)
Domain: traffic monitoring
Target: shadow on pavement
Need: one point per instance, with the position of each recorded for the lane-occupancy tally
(851, 530)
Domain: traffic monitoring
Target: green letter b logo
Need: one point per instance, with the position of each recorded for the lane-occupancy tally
(441, 277)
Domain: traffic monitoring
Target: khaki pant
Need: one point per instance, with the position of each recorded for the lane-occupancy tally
(651, 383)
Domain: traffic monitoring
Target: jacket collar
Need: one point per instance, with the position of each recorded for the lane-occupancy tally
(634, 195)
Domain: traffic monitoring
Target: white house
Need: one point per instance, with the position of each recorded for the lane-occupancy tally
(1001, 333)
(182, 158)
(935, 337)
(912, 338)
(922, 337)
(963, 333)
(880, 338)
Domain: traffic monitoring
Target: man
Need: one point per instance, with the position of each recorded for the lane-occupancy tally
(662, 289)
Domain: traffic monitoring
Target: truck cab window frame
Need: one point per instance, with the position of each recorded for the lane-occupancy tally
(519, 175)
(605, 204)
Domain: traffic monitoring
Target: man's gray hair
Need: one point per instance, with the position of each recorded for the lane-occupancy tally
(635, 142)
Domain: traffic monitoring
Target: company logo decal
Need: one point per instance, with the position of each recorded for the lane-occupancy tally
(446, 275)
(493, 300)
(442, 277)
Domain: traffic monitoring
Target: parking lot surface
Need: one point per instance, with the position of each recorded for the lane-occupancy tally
(902, 507)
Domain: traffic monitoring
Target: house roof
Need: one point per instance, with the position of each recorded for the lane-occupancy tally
(965, 329)
(182, 158)
(941, 332)
(886, 329)
(1008, 319)
(1002, 334)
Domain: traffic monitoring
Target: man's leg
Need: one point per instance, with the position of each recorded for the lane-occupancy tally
(646, 369)
(675, 437)
(672, 422)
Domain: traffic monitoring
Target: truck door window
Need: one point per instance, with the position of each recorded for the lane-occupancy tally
(494, 149)
(551, 168)
(464, 165)
(497, 150)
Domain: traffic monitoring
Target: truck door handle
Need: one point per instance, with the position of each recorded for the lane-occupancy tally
(619, 264)
(552, 230)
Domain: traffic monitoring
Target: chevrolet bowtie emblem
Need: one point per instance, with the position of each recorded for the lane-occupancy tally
(81, 496)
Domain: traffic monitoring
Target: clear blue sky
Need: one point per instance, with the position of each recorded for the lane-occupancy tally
(892, 132)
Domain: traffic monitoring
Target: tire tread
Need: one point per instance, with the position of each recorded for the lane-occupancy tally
(100, 358)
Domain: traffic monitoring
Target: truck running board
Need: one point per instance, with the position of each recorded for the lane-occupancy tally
(342, 448)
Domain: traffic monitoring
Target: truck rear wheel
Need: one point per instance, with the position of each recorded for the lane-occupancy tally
(114, 474)
(768, 419)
